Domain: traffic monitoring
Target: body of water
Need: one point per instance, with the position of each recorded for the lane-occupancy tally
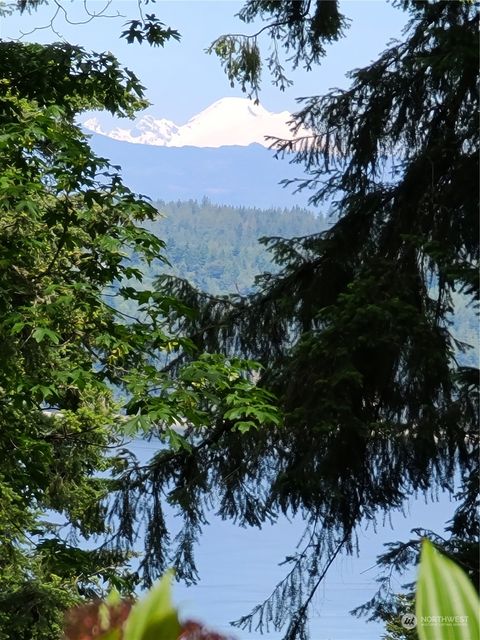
(239, 567)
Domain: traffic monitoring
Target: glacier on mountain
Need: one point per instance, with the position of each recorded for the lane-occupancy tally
(227, 122)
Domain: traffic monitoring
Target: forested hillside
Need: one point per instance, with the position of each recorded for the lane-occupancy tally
(216, 246)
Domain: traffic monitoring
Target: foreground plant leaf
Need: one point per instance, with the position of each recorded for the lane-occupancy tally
(154, 617)
(447, 607)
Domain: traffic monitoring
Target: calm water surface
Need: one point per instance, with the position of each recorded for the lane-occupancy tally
(239, 568)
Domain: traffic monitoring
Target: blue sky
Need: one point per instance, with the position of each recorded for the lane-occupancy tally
(181, 79)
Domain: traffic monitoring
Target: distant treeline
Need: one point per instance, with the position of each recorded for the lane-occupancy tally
(216, 246)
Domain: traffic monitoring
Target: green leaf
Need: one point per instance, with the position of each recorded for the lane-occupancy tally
(447, 607)
(42, 332)
(17, 327)
(177, 441)
(153, 617)
(132, 426)
(245, 425)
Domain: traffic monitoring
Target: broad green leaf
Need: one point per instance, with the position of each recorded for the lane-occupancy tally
(153, 617)
(17, 327)
(245, 425)
(177, 441)
(42, 332)
(447, 607)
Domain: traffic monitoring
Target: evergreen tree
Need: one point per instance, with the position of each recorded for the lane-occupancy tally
(216, 247)
(355, 332)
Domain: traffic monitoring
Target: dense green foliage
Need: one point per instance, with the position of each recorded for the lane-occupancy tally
(201, 238)
(65, 218)
(217, 248)
(355, 330)
(69, 231)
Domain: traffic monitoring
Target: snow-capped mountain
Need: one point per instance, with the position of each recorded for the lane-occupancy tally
(145, 130)
(227, 122)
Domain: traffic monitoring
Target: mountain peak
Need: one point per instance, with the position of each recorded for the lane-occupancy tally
(236, 104)
(229, 121)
